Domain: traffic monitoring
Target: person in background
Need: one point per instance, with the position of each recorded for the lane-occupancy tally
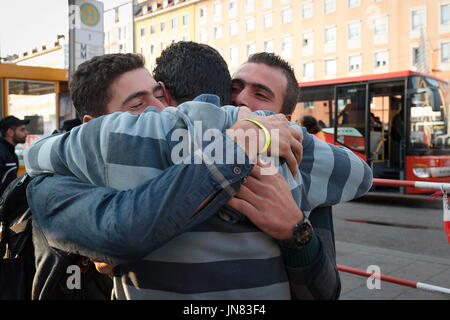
(311, 125)
(13, 132)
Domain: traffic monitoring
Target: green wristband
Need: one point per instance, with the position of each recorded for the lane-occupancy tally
(266, 132)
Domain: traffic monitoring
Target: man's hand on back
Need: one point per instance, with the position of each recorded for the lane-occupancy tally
(286, 144)
(267, 201)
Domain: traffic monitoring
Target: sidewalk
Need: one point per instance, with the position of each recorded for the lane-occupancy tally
(414, 267)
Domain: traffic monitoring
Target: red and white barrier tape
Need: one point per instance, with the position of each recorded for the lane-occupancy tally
(412, 184)
(442, 187)
(400, 281)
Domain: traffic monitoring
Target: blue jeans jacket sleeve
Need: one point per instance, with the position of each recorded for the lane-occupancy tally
(124, 226)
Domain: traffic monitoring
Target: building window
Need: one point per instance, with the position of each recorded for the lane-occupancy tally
(415, 56)
(354, 30)
(217, 11)
(330, 34)
(233, 28)
(445, 52)
(308, 105)
(381, 30)
(330, 67)
(381, 25)
(286, 15)
(330, 6)
(268, 20)
(152, 49)
(234, 55)
(163, 26)
(267, 4)
(218, 32)
(354, 64)
(286, 47)
(232, 8)
(307, 10)
(249, 6)
(308, 71)
(152, 29)
(185, 20)
(142, 32)
(202, 16)
(381, 60)
(250, 24)
(268, 46)
(354, 3)
(250, 49)
(307, 43)
(173, 22)
(445, 14)
(203, 35)
(418, 19)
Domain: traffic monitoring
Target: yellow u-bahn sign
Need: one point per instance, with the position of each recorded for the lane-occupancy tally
(89, 14)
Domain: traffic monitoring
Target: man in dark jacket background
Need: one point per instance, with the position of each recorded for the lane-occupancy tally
(13, 132)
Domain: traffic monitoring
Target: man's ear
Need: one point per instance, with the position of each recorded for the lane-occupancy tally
(87, 118)
(10, 132)
(168, 100)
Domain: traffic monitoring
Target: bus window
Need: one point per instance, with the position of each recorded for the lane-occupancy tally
(34, 100)
(351, 111)
(429, 129)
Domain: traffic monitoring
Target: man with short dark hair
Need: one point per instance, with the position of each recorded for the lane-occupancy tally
(184, 69)
(13, 132)
(267, 82)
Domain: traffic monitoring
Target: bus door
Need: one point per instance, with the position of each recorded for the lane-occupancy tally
(386, 129)
(350, 115)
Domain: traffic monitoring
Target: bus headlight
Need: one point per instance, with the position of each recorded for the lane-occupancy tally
(422, 172)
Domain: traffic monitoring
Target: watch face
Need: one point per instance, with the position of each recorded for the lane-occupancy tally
(303, 233)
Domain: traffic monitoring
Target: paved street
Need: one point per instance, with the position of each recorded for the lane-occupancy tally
(403, 235)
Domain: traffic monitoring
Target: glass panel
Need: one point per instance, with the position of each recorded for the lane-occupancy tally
(430, 131)
(351, 117)
(35, 101)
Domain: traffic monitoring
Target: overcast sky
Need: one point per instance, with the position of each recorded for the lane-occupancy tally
(27, 24)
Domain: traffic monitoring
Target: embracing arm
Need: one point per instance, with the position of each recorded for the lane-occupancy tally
(123, 226)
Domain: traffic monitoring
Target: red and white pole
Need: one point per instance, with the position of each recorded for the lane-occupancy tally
(412, 184)
(443, 187)
(400, 281)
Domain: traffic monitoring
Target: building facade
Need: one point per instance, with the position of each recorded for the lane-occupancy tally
(322, 39)
(51, 55)
(119, 28)
(160, 23)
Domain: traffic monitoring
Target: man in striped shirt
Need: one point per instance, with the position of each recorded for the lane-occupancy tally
(219, 258)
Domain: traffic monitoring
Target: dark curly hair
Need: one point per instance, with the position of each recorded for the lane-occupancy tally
(90, 82)
(189, 69)
(292, 90)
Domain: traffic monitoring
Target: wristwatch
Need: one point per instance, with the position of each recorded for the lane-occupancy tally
(303, 234)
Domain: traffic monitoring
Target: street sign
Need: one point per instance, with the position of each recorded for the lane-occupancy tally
(86, 37)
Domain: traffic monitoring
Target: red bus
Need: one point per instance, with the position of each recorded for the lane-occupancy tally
(398, 122)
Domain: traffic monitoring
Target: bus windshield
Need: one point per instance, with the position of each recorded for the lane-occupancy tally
(429, 117)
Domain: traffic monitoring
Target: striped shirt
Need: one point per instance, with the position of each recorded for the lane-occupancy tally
(218, 259)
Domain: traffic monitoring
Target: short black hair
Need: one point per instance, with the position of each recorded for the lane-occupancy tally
(311, 125)
(292, 90)
(189, 69)
(90, 82)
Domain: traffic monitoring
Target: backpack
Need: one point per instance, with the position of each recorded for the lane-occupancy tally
(17, 264)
